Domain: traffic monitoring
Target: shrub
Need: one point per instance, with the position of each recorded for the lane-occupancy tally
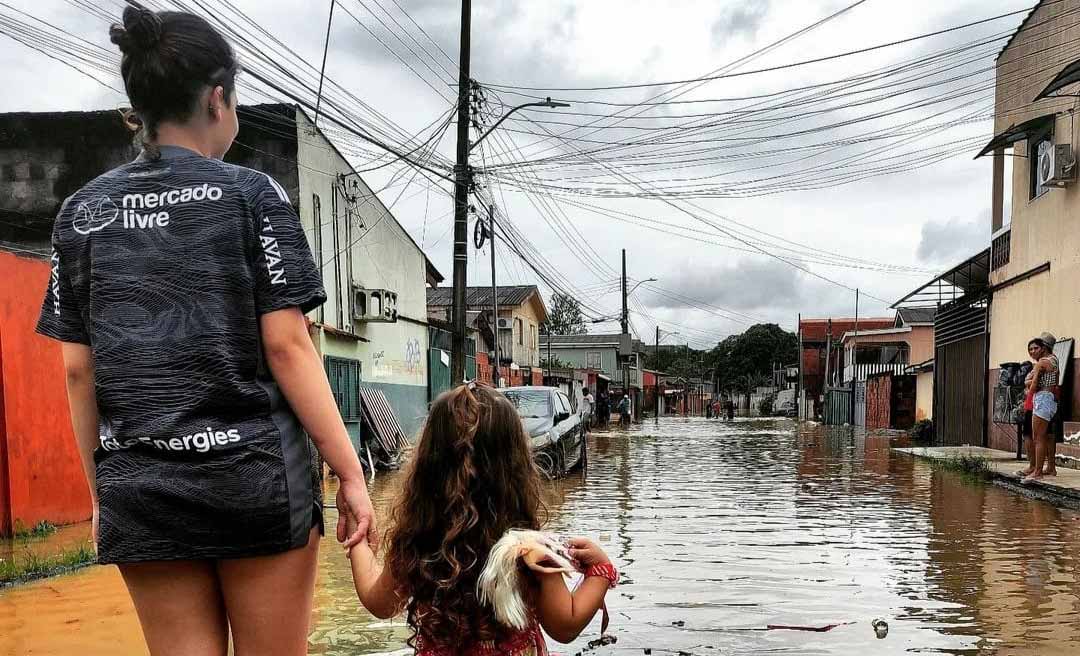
(923, 430)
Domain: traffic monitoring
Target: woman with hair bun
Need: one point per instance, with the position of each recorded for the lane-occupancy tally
(179, 287)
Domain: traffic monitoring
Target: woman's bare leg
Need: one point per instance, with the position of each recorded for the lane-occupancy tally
(268, 600)
(179, 606)
(1031, 455)
(1039, 432)
(1051, 455)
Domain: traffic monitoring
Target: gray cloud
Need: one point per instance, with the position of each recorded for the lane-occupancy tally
(748, 284)
(945, 240)
(743, 20)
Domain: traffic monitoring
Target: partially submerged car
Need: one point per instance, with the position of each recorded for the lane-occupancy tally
(555, 429)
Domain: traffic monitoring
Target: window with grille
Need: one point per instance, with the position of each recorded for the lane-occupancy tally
(344, 377)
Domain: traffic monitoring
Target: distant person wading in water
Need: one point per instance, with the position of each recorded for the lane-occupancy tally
(179, 289)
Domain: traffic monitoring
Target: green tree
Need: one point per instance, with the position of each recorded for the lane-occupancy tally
(753, 354)
(565, 317)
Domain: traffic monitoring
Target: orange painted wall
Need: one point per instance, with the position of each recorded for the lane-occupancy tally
(40, 474)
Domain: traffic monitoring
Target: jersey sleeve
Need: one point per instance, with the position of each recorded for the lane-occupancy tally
(285, 272)
(61, 312)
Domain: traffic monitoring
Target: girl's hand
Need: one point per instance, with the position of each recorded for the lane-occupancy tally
(587, 553)
(356, 516)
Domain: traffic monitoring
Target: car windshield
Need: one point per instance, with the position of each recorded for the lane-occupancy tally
(530, 404)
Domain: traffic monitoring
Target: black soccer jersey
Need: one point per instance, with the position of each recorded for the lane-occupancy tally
(163, 267)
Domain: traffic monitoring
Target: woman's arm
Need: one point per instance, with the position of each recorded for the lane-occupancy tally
(82, 399)
(1036, 371)
(299, 372)
(375, 587)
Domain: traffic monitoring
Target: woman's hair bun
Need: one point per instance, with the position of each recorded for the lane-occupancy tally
(140, 32)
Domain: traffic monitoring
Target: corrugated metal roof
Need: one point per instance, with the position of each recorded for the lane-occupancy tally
(481, 296)
(612, 338)
(916, 315)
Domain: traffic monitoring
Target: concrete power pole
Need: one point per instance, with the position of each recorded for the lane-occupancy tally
(625, 330)
(462, 175)
(494, 300)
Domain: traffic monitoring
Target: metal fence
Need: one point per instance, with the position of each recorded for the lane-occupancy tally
(837, 410)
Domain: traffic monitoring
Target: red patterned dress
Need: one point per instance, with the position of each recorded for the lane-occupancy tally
(529, 642)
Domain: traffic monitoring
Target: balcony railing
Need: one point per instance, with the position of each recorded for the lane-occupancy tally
(1000, 248)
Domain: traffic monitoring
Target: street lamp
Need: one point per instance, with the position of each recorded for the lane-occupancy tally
(462, 180)
(549, 103)
(640, 283)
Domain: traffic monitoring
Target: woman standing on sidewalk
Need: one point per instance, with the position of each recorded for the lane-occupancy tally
(1044, 390)
(179, 287)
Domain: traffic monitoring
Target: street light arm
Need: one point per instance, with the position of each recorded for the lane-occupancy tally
(640, 283)
(546, 103)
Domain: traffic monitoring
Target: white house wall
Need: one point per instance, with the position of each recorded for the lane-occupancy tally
(376, 251)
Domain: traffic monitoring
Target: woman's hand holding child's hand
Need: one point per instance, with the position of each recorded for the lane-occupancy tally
(587, 553)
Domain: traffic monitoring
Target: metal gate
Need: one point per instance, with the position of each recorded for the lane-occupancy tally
(860, 403)
(961, 341)
(837, 406)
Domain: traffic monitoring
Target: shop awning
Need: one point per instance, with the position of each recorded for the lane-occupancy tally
(1068, 75)
(1016, 133)
(970, 276)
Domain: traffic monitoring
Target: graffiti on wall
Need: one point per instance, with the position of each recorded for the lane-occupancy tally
(413, 356)
(411, 364)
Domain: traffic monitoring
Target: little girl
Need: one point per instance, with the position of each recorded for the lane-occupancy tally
(472, 479)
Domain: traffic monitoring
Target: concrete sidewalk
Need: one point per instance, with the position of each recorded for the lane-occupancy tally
(1062, 490)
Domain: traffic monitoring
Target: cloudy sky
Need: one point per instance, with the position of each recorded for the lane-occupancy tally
(713, 277)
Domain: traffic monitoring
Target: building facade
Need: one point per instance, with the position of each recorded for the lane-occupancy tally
(821, 357)
(521, 314)
(1035, 257)
(909, 340)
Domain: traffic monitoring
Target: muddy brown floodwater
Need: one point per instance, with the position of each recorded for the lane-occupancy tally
(722, 530)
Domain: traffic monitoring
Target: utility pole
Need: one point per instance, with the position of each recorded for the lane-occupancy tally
(855, 359)
(657, 374)
(828, 355)
(625, 330)
(799, 409)
(549, 344)
(625, 318)
(462, 176)
(494, 298)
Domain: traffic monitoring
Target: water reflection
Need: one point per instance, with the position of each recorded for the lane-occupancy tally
(723, 530)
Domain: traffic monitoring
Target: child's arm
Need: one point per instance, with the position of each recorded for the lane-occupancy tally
(564, 615)
(375, 587)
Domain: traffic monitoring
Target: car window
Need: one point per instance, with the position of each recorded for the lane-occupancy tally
(530, 403)
(566, 403)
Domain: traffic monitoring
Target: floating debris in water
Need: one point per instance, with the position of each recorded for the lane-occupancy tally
(816, 629)
(881, 628)
(603, 641)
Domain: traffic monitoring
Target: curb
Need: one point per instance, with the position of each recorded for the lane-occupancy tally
(1062, 497)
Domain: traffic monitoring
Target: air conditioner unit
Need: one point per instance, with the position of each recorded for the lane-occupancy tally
(1057, 165)
(504, 324)
(374, 305)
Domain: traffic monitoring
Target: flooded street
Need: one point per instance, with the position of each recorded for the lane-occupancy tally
(723, 530)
